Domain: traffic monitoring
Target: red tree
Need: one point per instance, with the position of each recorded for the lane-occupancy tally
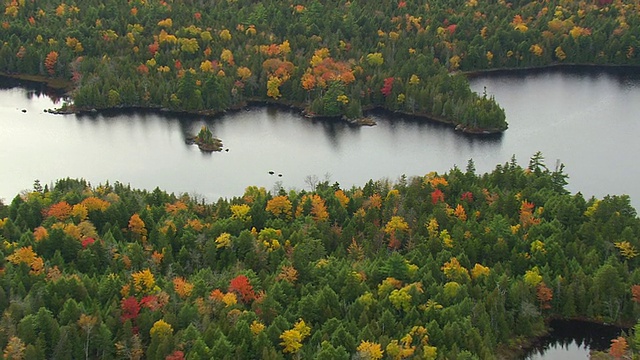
(176, 355)
(387, 87)
(437, 196)
(467, 196)
(240, 285)
(130, 309)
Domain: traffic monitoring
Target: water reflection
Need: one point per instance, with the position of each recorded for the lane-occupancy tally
(32, 89)
(583, 119)
(573, 339)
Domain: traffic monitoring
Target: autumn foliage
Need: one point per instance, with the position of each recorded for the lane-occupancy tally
(130, 308)
(544, 295)
(387, 87)
(242, 287)
(50, 62)
(232, 276)
(279, 206)
(60, 211)
(137, 228)
(618, 347)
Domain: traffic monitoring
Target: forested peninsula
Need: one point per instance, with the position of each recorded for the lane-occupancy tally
(331, 58)
(336, 58)
(442, 266)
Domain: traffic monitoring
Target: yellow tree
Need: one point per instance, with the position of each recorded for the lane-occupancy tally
(370, 350)
(280, 206)
(292, 339)
(532, 277)
(223, 241)
(454, 271)
(144, 281)
(395, 225)
(161, 343)
(225, 35)
(137, 228)
(627, 250)
(479, 271)
(241, 212)
(257, 327)
(318, 208)
(94, 204)
(560, 54)
(227, 56)
(243, 73)
(343, 199)
(26, 255)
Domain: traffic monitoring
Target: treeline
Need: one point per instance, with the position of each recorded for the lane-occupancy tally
(450, 266)
(332, 58)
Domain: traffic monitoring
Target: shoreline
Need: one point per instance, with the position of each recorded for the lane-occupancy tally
(519, 346)
(56, 84)
(66, 86)
(554, 66)
(361, 121)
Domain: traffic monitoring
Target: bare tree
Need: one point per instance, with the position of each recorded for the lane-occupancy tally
(312, 181)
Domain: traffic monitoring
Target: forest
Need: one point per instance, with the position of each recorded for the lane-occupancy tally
(442, 266)
(333, 58)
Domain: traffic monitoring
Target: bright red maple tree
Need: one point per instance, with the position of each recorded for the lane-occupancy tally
(241, 286)
(130, 309)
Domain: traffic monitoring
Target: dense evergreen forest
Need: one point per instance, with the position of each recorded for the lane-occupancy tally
(333, 58)
(443, 266)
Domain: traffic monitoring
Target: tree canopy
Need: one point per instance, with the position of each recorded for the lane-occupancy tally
(441, 266)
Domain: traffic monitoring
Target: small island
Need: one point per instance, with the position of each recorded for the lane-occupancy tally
(205, 140)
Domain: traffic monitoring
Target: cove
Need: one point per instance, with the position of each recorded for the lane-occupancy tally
(572, 340)
(587, 120)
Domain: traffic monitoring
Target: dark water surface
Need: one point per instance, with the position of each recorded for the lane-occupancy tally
(589, 121)
(572, 340)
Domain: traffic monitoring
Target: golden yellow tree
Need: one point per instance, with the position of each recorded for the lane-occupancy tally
(137, 228)
(370, 350)
(241, 212)
(292, 339)
(318, 208)
(279, 206)
(26, 255)
(454, 271)
(479, 271)
(143, 281)
(223, 241)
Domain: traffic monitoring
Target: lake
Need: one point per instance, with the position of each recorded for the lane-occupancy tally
(589, 121)
(572, 340)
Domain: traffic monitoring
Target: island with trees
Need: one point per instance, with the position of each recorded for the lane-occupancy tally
(443, 266)
(205, 140)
